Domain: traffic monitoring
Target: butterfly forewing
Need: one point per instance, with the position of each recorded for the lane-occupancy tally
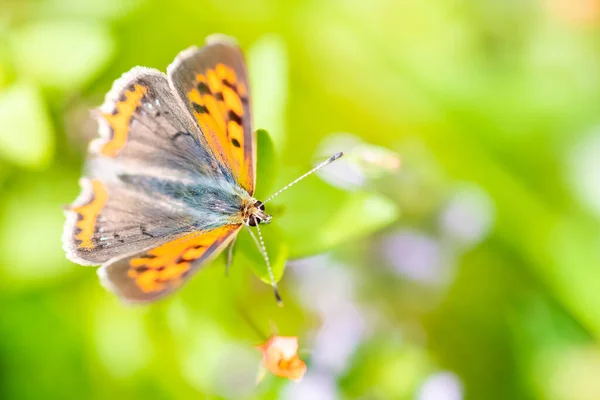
(143, 126)
(212, 83)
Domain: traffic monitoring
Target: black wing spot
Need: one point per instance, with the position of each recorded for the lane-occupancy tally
(232, 116)
(235, 143)
(219, 96)
(229, 85)
(199, 108)
(203, 88)
(118, 237)
(178, 134)
(145, 232)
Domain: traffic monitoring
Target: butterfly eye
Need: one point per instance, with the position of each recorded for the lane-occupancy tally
(253, 221)
(260, 205)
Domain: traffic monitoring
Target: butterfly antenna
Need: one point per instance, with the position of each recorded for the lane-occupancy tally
(260, 243)
(312, 171)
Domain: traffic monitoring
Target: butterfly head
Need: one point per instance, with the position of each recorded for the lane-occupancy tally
(256, 214)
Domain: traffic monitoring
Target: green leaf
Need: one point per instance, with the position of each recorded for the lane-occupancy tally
(267, 165)
(248, 253)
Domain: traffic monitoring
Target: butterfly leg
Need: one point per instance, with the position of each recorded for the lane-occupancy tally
(229, 256)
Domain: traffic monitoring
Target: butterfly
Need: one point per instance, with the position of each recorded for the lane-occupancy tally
(170, 181)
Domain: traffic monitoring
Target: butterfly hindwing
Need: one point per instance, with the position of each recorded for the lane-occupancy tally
(153, 273)
(110, 219)
(212, 82)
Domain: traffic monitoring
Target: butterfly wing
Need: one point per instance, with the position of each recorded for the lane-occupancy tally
(151, 274)
(212, 83)
(143, 126)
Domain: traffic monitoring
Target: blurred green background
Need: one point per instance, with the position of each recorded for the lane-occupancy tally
(471, 272)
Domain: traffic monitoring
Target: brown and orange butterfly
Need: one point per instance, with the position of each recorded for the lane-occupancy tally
(169, 183)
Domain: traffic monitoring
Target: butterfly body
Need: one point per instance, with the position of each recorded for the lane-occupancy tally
(208, 202)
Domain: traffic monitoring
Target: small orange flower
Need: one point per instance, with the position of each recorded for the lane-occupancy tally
(280, 356)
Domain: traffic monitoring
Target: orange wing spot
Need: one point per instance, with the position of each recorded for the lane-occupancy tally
(195, 97)
(137, 262)
(236, 133)
(246, 180)
(233, 101)
(213, 109)
(201, 78)
(192, 254)
(214, 83)
(242, 89)
(155, 262)
(226, 73)
(174, 271)
(166, 265)
(120, 119)
(148, 281)
(213, 137)
(89, 215)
